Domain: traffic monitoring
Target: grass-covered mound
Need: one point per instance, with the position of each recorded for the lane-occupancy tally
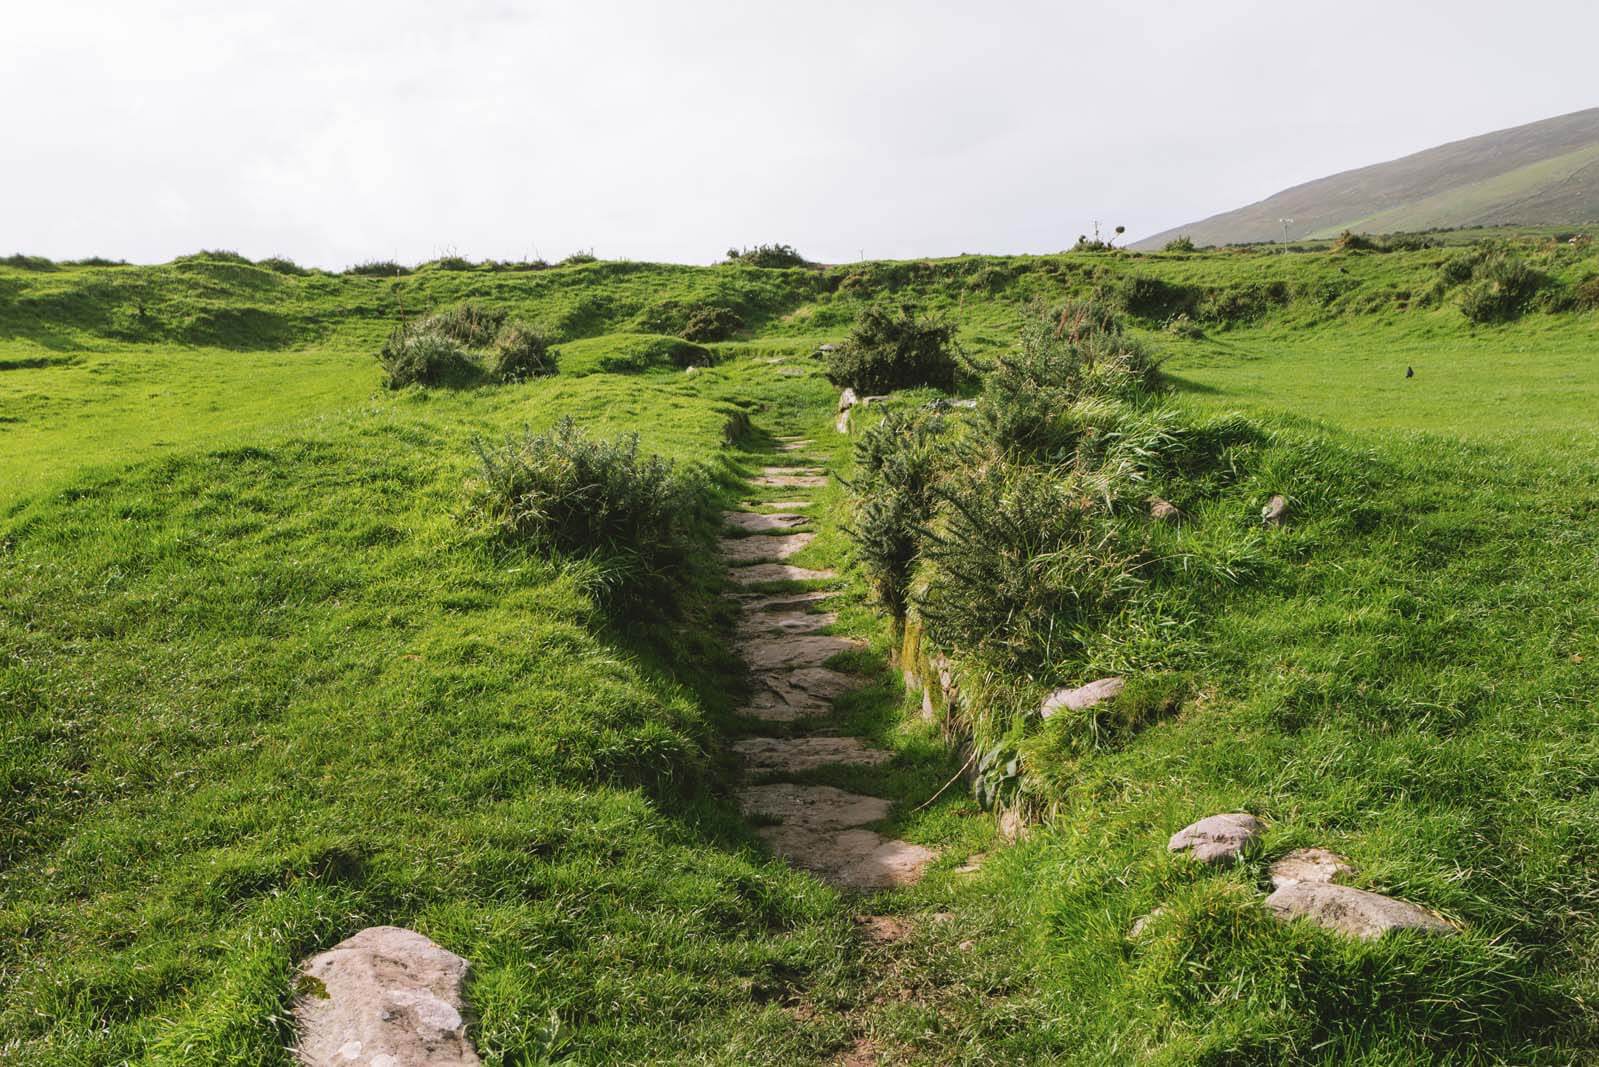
(261, 697)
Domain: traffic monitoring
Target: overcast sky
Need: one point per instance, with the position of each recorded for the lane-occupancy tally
(336, 132)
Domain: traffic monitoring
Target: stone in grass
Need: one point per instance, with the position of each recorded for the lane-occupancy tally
(1316, 865)
(1163, 510)
(387, 996)
(1275, 511)
(1084, 696)
(1352, 912)
(1218, 839)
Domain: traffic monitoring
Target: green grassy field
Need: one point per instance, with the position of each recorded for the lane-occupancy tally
(268, 675)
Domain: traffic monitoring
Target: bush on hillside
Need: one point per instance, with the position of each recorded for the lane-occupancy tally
(22, 262)
(1586, 293)
(897, 463)
(1025, 566)
(282, 265)
(1349, 241)
(422, 357)
(1181, 243)
(712, 324)
(96, 261)
(520, 352)
(1056, 387)
(577, 259)
(379, 268)
(1500, 289)
(638, 520)
(473, 325)
(767, 256)
(897, 349)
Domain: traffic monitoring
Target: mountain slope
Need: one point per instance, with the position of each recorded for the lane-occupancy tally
(1543, 173)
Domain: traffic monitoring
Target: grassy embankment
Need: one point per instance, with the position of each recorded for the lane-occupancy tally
(269, 677)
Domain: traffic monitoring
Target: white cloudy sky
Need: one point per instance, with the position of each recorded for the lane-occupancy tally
(335, 131)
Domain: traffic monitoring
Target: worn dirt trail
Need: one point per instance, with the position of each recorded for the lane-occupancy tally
(817, 827)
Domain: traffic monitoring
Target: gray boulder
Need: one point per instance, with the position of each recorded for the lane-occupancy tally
(1275, 511)
(1084, 696)
(1219, 839)
(1352, 912)
(1316, 865)
(387, 997)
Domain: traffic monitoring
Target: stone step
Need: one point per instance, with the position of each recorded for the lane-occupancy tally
(821, 829)
(772, 651)
(757, 624)
(763, 522)
(777, 572)
(788, 695)
(783, 479)
(795, 755)
(764, 548)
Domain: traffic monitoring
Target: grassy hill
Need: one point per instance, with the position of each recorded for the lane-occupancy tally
(270, 673)
(1541, 174)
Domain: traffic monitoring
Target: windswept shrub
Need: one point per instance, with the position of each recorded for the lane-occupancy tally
(520, 352)
(1350, 241)
(421, 357)
(1500, 289)
(473, 325)
(1156, 300)
(379, 268)
(642, 523)
(577, 259)
(1181, 243)
(767, 256)
(1063, 382)
(897, 349)
(452, 263)
(712, 324)
(22, 262)
(897, 462)
(282, 265)
(98, 261)
(1587, 293)
(1025, 566)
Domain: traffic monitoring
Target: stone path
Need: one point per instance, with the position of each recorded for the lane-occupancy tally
(817, 827)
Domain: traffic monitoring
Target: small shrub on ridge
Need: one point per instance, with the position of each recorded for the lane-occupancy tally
(890, 350)
(520, 352)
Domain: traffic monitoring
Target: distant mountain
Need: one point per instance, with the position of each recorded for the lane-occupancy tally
(1541, 174)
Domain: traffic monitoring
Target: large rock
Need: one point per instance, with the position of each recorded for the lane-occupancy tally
(1352, 912)
(1219, 839)
(1316, 865)
(1084, 696)
(387, 997)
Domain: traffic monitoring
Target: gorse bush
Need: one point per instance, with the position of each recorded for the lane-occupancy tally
(473, 325)
(1182, 243)
(282, 265)
(767, 256)
(1349, 241)
(379, 268)
(897, 463)
(1064, 382)
(1501, 287)
(1024, 566)
(520, 352)
(712, 324)
(22, 262)
(638, 520)
(894, 349)
(416, 357)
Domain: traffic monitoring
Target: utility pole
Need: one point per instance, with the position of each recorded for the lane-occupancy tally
(1285, 223)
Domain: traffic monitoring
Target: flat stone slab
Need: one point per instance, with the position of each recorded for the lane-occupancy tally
(785, 505)
(1316, 865)
(1352, 912)
(763, 548)
(784, 696)
(387, 997)
(821, 832)
(774, 651)
(790, 481)
(757, 603)
(1219, 839)
(785, 622)
(777, 572)
(793, 755)
(1084, 696)
(793, 446)
(814, 807)
(763, 522)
